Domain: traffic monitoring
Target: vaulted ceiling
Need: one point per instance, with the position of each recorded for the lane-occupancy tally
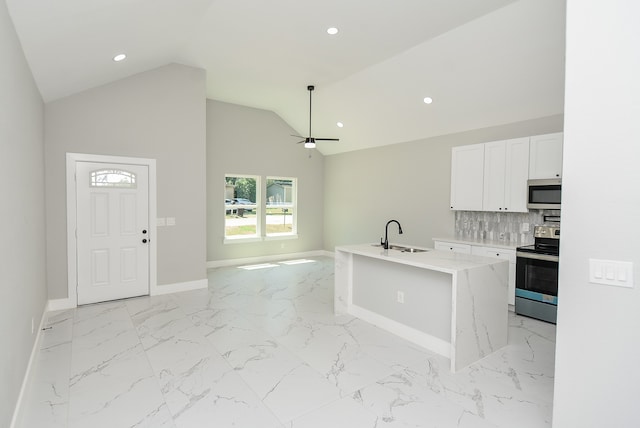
(484, 62)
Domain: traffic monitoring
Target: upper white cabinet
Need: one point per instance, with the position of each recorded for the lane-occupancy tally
(545, 156)
(506, 170)
(467, 174)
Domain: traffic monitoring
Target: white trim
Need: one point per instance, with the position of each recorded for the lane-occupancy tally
(418, 337)
(281, 237)
(72, 159)
(35, 350)
(60, 304)
(180, 286)
(270, 258)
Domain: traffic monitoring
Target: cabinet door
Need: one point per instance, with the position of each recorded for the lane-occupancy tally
(467, 171)
(504, 254)
(506, 170)
(494, 176)
(516, 175)
(545, 156)
(452, 247)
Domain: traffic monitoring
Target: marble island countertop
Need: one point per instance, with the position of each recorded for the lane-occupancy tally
(441, 261)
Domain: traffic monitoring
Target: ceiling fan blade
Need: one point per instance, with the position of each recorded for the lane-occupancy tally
(300, 142)
(298, 136)
(327, 139)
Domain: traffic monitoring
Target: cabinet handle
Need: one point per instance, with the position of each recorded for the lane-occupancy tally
(497, 254)
(557, 175)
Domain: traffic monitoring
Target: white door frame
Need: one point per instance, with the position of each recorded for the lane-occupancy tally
(72, 258)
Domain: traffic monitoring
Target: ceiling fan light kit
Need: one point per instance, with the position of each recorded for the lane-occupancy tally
(310, 142)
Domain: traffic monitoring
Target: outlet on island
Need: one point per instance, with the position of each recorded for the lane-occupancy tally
(400, 297)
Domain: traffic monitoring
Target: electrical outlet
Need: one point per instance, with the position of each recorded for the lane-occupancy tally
(525, 227)
(400, 297)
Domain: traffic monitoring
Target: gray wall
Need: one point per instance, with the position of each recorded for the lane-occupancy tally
(158, 114)
(245, 140)
(23, 289)
(409, 182)
(597, 380)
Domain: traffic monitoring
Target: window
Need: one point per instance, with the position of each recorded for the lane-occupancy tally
(250, 217)
(112, 178)
(241, 210)
(280, 212)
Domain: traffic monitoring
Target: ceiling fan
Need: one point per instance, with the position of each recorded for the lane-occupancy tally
(310, 142)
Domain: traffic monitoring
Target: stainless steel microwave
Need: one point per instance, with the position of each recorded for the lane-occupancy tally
(544, 194)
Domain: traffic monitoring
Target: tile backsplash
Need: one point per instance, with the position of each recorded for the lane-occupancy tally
(507, 227)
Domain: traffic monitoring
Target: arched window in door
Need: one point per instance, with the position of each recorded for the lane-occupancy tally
(113, 178)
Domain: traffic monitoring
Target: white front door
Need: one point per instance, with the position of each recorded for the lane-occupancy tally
(112, 216)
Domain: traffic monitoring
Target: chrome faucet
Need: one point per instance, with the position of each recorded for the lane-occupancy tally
(385, 244)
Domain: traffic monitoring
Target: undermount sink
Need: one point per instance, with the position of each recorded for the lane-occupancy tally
(414, 250)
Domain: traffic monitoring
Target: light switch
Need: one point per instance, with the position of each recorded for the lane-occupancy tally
(611, 272)
(160, 221)
(171, 221)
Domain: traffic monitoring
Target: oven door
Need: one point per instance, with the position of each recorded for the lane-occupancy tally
(537, 277)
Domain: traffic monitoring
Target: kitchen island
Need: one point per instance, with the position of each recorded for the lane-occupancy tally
(452, 304)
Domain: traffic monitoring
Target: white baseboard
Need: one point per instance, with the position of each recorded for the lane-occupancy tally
(418, 337)
(60, 304)
(17, 411)
(263, 259)
(179, 287)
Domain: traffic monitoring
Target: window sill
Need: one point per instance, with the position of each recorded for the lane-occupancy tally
(254, 239)
(282, 237)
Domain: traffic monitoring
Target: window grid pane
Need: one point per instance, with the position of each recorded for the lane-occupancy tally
(113, 178)
(241, 209)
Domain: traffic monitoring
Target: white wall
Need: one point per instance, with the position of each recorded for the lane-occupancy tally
(245, 140)
(158, 114)
(598, 337)
(409, 182)
(23, 289)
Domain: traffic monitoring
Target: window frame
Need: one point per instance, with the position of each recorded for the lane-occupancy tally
(261, 211)
(294, 205)
(258, 211)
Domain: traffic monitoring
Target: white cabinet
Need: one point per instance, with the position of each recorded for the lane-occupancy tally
(453, 247)
(467, 172)
(506, 170)
(505, 254)
(545, 156)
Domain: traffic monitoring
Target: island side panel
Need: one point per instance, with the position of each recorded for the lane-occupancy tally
(480, 324)
(342, 281)
(425, 315)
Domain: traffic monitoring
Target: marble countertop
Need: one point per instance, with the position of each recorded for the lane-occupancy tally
(483, 242)
(441, 261)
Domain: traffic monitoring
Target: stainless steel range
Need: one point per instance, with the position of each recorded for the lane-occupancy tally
(537, 275)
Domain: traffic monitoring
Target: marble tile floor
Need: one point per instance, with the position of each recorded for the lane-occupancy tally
(262, 348)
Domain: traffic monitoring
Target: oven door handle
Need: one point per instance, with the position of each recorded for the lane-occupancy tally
(545, 257)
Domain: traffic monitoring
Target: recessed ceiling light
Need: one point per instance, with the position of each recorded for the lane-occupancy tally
(119, 57)
(428, 100)
(332, 30)
(340, 124)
